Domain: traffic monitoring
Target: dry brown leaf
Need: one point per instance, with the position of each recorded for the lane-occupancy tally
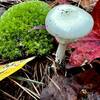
(67, 89)
(87, 4)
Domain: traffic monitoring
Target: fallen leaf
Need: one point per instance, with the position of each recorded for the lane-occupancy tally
(87, 4)
(89, 80)
(61, 88)
(10, 68)
(96, 16)
(62, 1)
(88, 48)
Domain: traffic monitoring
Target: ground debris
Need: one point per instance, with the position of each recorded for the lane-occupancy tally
(79, 87)
(67, 90)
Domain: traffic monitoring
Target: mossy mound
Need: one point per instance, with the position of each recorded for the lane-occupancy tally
(15, 39)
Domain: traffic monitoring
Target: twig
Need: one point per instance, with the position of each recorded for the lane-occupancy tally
(7, 94)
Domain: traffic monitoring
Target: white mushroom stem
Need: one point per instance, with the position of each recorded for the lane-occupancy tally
(60, 53)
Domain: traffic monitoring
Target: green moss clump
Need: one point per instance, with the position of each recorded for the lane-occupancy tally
(15, 39)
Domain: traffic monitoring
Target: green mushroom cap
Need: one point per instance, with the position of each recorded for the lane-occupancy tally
(15, 39)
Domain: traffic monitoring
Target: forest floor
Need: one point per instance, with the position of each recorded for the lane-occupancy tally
(37, 81)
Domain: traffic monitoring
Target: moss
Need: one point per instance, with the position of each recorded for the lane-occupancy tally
(15, 39)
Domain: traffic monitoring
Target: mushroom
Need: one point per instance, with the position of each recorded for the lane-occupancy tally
(67, 23)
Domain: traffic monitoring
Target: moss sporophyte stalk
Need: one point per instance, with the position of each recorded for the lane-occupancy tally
(15, 39)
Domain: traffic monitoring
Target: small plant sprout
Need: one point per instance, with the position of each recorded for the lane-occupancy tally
(67, 23)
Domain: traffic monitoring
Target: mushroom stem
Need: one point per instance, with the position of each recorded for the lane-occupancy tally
(60, 53)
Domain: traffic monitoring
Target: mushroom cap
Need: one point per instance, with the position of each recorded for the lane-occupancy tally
(68, 22)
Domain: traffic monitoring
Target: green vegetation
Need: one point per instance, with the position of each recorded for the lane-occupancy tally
(15, 39)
